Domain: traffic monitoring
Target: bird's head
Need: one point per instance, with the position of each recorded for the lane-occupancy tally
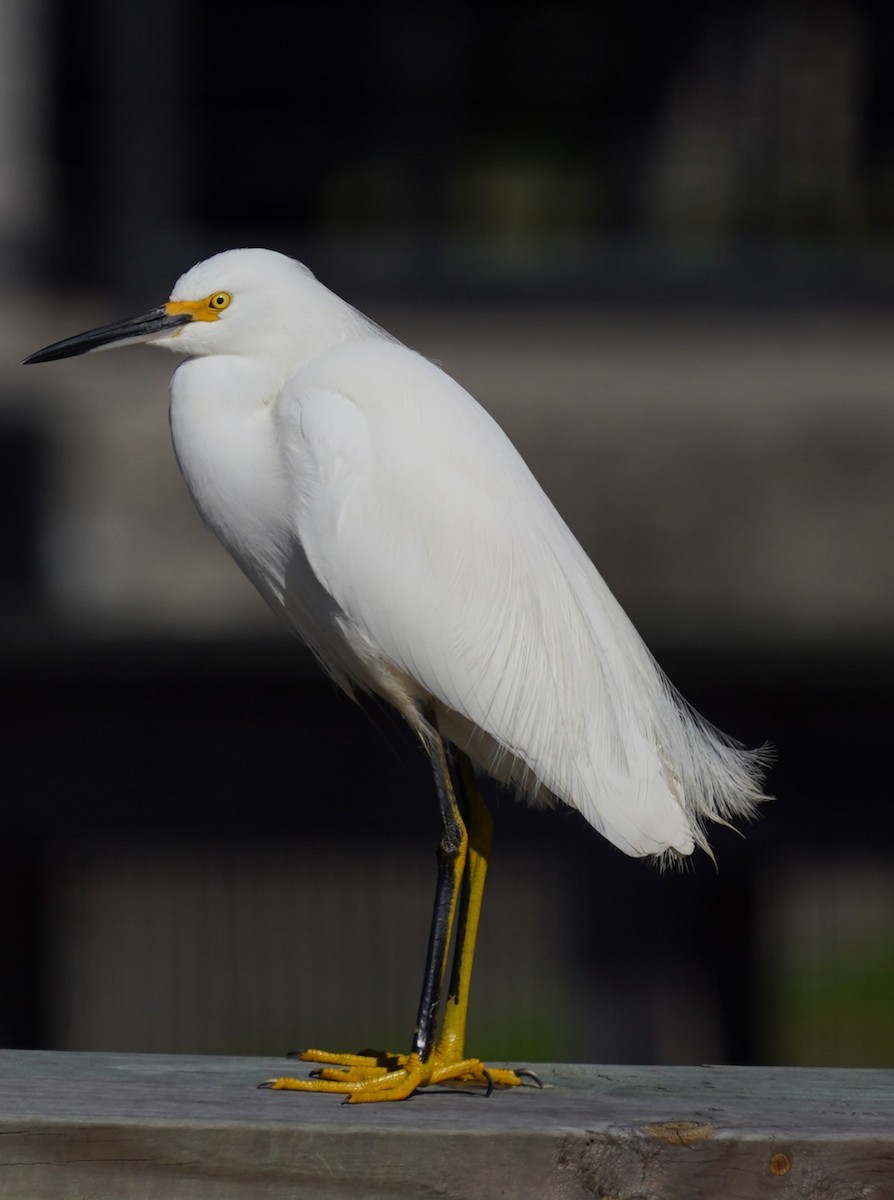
(237, 302)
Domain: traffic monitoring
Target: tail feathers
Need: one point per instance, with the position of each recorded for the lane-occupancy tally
(641, 817)
(661, 802)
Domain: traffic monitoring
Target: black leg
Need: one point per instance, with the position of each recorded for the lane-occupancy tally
(452, 856)
(463, 855)
(467, 797)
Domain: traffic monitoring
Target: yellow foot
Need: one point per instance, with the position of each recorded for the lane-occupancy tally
(366, 1078)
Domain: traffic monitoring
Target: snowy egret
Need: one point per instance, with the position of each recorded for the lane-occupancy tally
(392, 524)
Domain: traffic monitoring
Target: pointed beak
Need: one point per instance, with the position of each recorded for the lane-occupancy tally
(154, 324)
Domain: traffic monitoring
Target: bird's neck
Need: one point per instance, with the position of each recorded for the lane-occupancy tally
(226, 447)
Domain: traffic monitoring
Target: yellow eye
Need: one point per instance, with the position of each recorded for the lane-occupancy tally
(219, 301)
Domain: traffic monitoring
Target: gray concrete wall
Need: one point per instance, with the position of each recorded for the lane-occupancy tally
(730, 473)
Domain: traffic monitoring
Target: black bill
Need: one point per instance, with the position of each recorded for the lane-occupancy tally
(137, 329)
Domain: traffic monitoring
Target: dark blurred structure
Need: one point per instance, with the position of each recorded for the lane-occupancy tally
(656, 241)
(628, 151)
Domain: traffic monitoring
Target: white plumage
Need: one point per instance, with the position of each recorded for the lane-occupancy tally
(388, 519)
(391, 523)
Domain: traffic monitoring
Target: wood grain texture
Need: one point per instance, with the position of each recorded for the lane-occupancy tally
(136, 1127)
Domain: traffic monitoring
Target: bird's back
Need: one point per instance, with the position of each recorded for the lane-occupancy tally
(451, 571)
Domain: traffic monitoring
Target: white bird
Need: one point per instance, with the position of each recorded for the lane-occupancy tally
(392, 524)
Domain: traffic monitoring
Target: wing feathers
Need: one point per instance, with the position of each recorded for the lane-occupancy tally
(450, 564)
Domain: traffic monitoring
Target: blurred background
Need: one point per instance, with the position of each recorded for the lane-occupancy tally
(656, 242)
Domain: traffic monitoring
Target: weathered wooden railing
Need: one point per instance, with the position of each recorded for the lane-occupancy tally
(134, 1127)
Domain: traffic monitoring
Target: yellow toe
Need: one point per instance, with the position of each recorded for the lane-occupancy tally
(373, 1077)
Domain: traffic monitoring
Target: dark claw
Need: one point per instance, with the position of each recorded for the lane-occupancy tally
(318, 1074)
(525, 1073)
(294, 1053)
(490, 1083)
(268, 1083)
